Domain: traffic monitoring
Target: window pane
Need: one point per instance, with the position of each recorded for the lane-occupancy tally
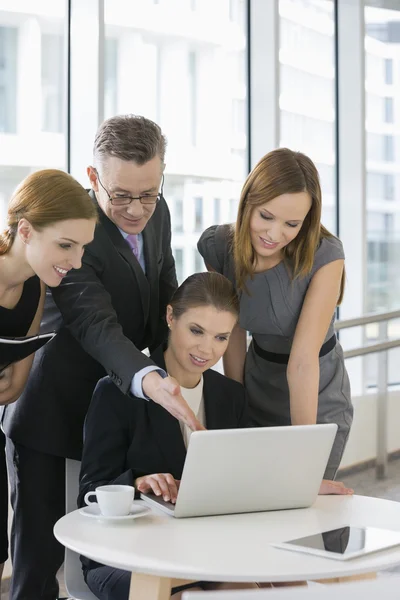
(8, 78)
(381, 147)
(52, 82)
(188, 75)
(177, 223)
(178, 255)
(198, 214)
(199, 265)
(192, 67)
(307, 94)
(233, 208)
(389, 71)
(382, 88)
(217, 210)
(110, 76)
(389, 110)
(32, 92)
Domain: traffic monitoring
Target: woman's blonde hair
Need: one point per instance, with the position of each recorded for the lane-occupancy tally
(44, 198)
(281, 171)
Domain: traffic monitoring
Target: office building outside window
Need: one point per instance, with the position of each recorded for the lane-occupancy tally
(233, 208)
(199, 265)
(382, 88)
(177, 221)
(32, 92)
(307, 92)
(179, 264)
(169, 70)
(8, 78)
(217, 210)
(53, 92)
(198, 214)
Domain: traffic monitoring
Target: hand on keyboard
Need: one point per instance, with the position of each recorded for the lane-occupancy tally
(161, 484)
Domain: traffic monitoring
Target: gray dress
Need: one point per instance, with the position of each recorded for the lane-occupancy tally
(270, 312)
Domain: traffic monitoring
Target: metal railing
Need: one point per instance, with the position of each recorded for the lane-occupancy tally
(382, 348)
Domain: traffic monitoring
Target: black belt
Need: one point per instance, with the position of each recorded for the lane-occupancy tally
(283, 359)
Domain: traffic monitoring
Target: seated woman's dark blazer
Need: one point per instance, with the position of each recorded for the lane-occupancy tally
(125, 437)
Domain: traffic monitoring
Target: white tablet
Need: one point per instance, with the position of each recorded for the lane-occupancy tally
(344, 543)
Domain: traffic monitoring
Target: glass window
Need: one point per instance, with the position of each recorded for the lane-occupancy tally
(110, 77)
(233, 207)
(380, 147)
(389, 110)
(239, 116)
(198, 214)
(217, 210)
(177, 223)
(380, 186)
(389, 147)
(193, 96)
(199, 265)
(191, 79)
(52, 53)
(389, 71)
(307, 92)
(383, 181)
(32, 92)
(375, 108)
(374, 65)
(237, 11)
(8, 78)
(178, 255)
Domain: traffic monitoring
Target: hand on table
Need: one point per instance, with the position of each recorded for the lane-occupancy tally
(335, 488)
(167, 393)
(160, 484)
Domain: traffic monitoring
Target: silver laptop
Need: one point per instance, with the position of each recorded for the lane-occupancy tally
(247, 470)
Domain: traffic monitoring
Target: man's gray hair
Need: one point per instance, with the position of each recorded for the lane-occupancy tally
(129, 137)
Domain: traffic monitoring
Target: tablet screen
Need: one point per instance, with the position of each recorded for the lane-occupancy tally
(347, 541)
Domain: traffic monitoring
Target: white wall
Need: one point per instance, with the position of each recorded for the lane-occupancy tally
(362, 441)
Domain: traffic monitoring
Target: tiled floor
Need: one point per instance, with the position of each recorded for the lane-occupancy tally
(364, 483)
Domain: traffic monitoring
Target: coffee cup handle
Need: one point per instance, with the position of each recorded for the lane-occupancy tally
(87, 496)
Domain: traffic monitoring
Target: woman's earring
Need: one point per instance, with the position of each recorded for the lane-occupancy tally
(169, 325)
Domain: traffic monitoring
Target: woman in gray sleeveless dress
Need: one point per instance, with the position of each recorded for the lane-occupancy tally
(289, 271)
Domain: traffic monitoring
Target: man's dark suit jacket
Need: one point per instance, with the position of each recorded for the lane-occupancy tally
(126, 438)
(105, 314)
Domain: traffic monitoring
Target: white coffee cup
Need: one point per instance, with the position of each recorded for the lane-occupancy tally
(113, 500)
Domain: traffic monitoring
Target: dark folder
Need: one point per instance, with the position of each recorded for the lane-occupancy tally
(13, 349)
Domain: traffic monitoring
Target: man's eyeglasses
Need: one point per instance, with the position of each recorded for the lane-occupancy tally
(124, 199)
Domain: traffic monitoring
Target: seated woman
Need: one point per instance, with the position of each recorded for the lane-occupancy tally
(132, 442)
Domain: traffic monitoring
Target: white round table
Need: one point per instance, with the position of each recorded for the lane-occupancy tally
(157, 548)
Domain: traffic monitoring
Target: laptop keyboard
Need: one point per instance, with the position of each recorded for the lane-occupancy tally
(160, 500)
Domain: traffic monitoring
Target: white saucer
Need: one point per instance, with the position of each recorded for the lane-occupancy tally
(93, 511)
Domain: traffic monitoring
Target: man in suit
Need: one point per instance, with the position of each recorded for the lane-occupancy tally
(105, 314)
